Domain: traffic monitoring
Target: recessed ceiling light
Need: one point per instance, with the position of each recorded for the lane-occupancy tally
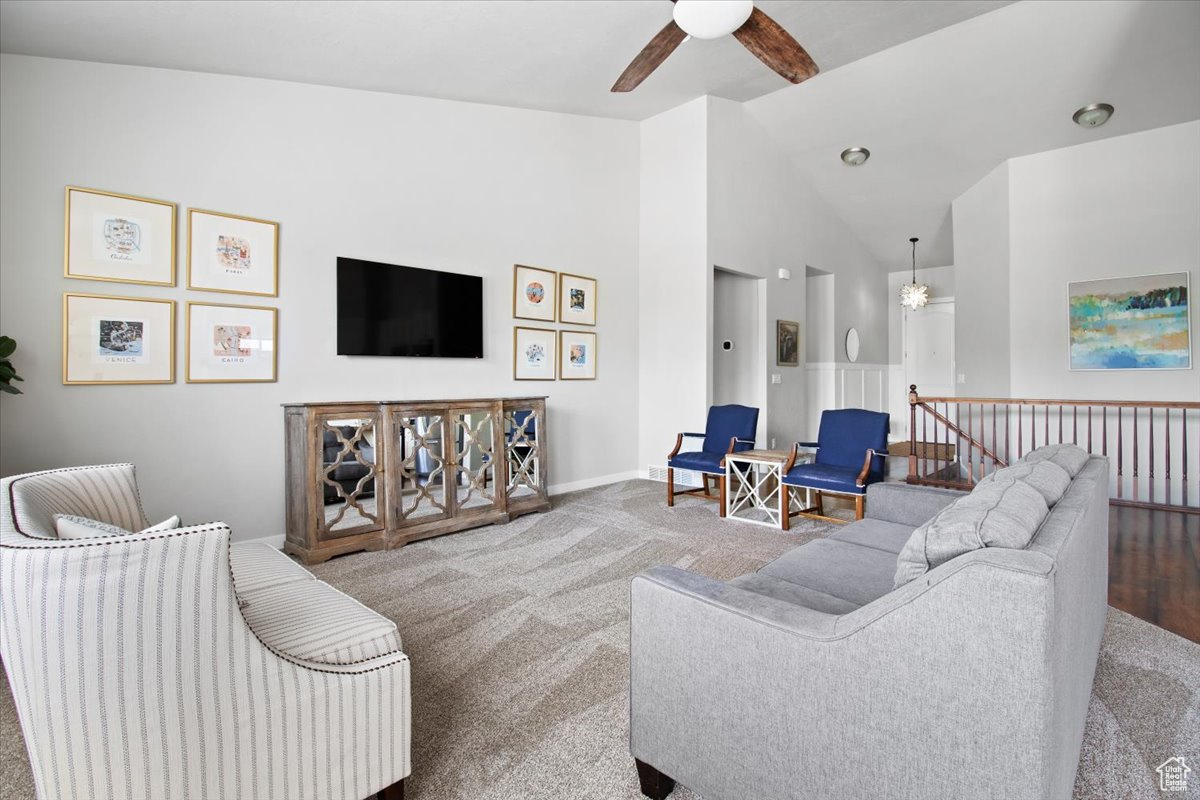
(1093, 115)
(855, 156)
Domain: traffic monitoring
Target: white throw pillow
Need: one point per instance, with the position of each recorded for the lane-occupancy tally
(996, 514)
(70, 526)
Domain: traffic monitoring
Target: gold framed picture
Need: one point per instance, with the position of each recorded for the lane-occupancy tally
(534, 293)
(787, 343)
(231, 344)
(576, 299)
(576, 356)
(118, 237)
(231, 253)
(117, 339)
(533, 354)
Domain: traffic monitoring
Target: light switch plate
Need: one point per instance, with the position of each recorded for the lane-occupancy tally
(776, 377)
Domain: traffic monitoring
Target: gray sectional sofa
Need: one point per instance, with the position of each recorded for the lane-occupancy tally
(934, 649)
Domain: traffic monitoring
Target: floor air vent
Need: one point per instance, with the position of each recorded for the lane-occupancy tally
(683, 477)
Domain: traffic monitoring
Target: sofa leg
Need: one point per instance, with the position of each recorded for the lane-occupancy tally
(785, 507)
(655, 785)
(858, 507)
(670, 487)
(393, 792)
(820, 504)
(721, 494)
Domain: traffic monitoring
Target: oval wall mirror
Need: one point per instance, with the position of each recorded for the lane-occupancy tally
(852, 345)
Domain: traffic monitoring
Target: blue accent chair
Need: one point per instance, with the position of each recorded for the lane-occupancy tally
(851, 446)
(729, 429)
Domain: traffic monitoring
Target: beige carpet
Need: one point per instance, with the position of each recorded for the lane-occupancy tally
(518, 636)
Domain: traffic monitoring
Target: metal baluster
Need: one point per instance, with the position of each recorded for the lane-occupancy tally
(1185, 460)
(970, 447)
(1167, 425)
(1135, 455)
(995, 441)
(1120, 452)
(1089, 429)
(1150, 411)
(1074, 424)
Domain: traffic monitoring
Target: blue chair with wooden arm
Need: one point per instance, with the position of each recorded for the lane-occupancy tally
(851, 446)
(729, 429)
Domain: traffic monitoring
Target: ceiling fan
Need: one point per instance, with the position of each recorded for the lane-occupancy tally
(712, 19)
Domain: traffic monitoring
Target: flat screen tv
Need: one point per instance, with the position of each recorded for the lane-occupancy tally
(389, 310)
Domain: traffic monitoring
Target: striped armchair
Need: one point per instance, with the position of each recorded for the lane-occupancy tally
(170, 665)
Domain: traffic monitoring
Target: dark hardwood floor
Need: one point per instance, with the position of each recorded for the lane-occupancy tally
(1154, 567)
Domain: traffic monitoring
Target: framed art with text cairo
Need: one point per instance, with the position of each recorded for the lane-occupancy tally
(117, 339)
(1139, 322)
(231, 344)
(118, 237)
(534, 293)
(230, 253)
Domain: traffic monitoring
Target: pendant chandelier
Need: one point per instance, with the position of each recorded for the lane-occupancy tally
(914, 295)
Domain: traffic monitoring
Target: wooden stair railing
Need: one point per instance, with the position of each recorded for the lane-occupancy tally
(1152, 446)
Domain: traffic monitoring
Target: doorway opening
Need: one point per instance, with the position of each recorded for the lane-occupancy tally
(739, 342)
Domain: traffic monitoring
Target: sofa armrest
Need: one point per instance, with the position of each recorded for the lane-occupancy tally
(905, 504)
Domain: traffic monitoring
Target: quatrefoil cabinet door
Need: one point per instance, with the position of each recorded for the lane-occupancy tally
(477, 485)
(419, 466)
(351, 491)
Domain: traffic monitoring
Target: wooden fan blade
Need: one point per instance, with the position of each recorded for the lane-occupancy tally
(776, 48)
(653, 54)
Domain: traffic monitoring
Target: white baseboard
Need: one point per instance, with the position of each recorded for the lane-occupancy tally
(275, 541)
(588, 483)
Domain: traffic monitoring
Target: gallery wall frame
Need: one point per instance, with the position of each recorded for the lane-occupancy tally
(576, 356)
(231, 343)
(576, 299)
(117, 340)
(534, 353)
(231, 253)
(535, 293)
(122, 238)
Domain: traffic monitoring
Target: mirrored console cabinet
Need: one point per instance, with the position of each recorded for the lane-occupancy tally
(376, 475)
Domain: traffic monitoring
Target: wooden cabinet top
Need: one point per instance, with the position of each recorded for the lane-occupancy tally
(452, 401)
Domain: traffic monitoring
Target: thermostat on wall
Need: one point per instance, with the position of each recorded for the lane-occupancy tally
(727, 344)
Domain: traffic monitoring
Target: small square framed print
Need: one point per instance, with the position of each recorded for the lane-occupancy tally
(118, 237)
(117, 339)
(576, 299)
(229, 253)
(577, 356)
(231, 344)
(534, 293)
(533, 354)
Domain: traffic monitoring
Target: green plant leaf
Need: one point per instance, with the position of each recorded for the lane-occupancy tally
(7, 346)
(4, 387)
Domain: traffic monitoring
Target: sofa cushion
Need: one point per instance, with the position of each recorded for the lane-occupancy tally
(844, 570)
(995, 514)
(259, 566)
(698, 461)
(1050, 480)
(793, 593)
(886, 536)
(827, 477)
(310, 620)
(1070, 457)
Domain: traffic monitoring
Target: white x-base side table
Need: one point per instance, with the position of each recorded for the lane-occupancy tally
(754, 483)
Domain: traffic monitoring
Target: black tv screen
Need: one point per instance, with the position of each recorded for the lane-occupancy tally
(389, 310)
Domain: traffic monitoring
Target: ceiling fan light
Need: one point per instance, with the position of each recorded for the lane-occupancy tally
(712, 19)
(855, 156)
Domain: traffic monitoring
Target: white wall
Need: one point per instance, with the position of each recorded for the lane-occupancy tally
(428, 183)
(1129, 205)
(981, 286)
(818, 321)
(674, 281)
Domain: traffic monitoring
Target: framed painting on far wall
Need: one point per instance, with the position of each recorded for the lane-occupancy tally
(577, 356)
(1139, 322)
(534, 293)
(231, 344)
(787, 343)
(118, 237)
(117, 340)
(533, 354)
(576, 299)
(228, 253)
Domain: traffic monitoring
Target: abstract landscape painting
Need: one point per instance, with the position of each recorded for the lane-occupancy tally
(1140, 322)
